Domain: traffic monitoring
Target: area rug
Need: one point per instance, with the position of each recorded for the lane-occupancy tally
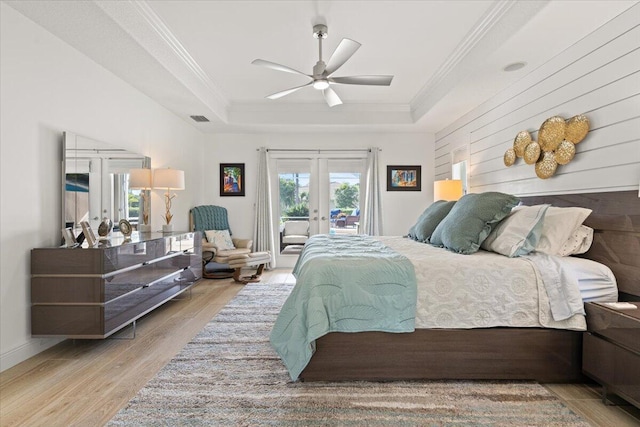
(229, 375)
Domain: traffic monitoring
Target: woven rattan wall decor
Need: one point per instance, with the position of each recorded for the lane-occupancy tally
(556, 145)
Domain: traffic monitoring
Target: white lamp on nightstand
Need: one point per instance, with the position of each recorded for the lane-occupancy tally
(169, 179)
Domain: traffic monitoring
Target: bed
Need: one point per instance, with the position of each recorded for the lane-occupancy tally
(533, 353)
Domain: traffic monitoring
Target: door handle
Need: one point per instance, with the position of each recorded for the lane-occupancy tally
(324, 218)
(315, 218)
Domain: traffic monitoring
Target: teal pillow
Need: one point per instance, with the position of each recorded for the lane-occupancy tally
(470, 221)
(429, 220)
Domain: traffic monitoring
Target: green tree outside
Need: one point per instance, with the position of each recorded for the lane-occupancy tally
(347, 196)
(299, 210)
(134, 205)
(287, 194)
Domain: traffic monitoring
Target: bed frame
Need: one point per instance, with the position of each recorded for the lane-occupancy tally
(544, 355)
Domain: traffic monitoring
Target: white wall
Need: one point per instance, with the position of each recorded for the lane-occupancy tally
(600, 77)
(48, 87)
(400, 208)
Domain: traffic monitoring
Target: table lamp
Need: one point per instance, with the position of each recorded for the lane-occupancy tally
(449, 189)
(140, 179)
(169, 179)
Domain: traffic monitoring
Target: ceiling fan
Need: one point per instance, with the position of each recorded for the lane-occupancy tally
(321, 78)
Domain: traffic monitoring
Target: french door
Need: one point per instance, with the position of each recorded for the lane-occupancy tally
(323, 190)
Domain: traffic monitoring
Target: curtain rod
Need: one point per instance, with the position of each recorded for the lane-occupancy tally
(316, 150)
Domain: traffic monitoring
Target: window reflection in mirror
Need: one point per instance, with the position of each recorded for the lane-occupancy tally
(96, 182)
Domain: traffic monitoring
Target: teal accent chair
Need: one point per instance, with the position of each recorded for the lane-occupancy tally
(224, 263)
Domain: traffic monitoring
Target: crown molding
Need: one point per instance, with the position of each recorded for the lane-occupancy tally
(294, 114)
(139, 20)
(316, 107)
(498, 24)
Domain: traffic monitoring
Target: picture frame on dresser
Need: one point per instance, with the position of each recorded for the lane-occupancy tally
(69, 239)
(89, 236)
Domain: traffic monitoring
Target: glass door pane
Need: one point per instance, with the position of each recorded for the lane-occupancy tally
(296, 195)
(345, 179)
(320, 194)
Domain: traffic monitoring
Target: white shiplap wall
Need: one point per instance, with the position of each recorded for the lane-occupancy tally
(600, 77)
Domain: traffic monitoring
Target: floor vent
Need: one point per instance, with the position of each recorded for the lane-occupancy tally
(200, 118)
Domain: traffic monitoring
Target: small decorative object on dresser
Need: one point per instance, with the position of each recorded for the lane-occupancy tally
(169, 179)
(87, 232)
(69, 238)
(125, 227)
(611, 349)
(105, 227)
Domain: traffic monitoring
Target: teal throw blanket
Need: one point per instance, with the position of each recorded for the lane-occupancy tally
(344, 284)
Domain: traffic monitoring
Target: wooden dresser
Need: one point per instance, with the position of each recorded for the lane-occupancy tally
(94, 292)
(611, 353)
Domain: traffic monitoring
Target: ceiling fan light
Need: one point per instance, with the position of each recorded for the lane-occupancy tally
(320, 84)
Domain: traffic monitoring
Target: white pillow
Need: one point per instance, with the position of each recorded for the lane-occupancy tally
(560, 224)
(220, 238)
(517, 234)
(579, 243)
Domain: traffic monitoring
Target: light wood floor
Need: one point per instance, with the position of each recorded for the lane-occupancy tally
(86, 382)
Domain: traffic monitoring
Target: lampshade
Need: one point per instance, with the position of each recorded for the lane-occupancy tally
(168, 179)
(140, 179)
(450, 189)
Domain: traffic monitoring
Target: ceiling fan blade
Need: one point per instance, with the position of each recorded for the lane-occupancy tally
(279, 67)
(363, 80)
(287, 92)
(343, 52)
(331, 97)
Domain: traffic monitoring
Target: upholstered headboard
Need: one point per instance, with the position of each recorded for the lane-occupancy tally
(616, 240)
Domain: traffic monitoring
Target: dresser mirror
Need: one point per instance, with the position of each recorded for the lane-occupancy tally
(95, 182)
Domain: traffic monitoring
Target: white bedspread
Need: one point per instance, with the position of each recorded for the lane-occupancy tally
(477, 291)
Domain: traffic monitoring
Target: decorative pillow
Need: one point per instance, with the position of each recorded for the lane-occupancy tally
(429, 220)
(579, 243)
(470, 221)
(518, 233)
(558, 226)
(220, 238)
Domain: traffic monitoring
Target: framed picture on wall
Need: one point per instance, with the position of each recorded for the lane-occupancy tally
(404, 178)
(232, 180)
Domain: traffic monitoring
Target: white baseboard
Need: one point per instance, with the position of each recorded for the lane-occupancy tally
(29, 349)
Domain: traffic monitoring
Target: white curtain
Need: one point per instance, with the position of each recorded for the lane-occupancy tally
(263, 238)
(372, 221)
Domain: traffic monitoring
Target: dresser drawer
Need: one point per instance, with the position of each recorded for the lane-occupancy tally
(86, 289)
(84, 320)
(122, 283)
(119, 312)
